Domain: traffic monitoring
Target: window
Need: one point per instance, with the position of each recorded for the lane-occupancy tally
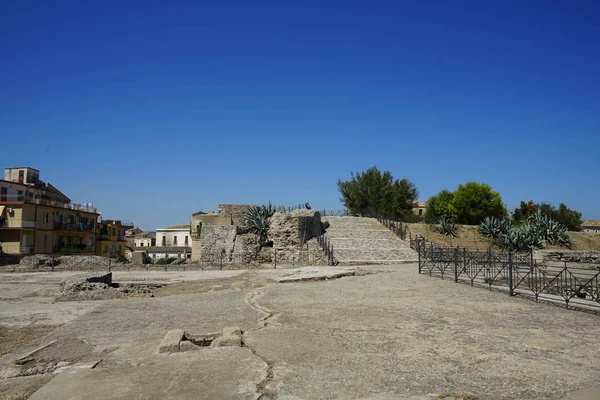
(141, 244)
(3, 192)
(20, 195)
(186, 240)
(164, 240)
(175, 240)
(106, 248)
(45, 240)
(46, 217)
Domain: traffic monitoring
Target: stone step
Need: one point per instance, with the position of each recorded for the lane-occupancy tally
(360, 234)
(368, 243)
(374, 255)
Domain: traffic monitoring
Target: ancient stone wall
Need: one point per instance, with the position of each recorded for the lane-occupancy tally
(574, 256)
(235, 211)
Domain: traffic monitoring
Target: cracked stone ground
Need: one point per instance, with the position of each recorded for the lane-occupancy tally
(391, 334)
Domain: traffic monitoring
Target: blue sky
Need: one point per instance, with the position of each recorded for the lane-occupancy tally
(154, 110)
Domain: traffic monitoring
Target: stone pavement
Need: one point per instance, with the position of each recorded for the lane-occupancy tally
(389, 334)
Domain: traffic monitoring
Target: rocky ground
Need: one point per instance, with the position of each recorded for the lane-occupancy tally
(377, 332)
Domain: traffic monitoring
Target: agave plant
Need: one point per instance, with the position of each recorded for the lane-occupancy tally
(447, 226)
(256, 220)
(491, 227)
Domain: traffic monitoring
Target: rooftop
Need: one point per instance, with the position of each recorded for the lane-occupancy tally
(181, 226)
(591, 223)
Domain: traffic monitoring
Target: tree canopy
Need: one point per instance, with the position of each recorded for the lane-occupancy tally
(571, 219)
(474, 201)
(469, 204)
(373, 193)
(439, 205)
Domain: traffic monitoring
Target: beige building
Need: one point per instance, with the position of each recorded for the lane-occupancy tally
(419, 208)
(592, 226)
(35, 217)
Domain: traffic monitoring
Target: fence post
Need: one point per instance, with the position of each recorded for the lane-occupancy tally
(52, 261)
(456, 265)
(419, 255)
(531, 261)
(274, 258)
(109, 268)
(511, 290)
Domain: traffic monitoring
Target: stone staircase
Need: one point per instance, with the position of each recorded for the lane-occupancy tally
(359, 240)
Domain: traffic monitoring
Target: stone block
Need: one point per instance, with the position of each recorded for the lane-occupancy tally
(227, 341)
(186, 345)
(170, 343)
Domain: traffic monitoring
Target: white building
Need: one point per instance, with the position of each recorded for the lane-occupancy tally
(174, 236)
(144, 239)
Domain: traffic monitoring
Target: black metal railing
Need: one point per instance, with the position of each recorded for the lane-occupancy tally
(327, 247)
(342, 212)
(518, 273)
(398, 227)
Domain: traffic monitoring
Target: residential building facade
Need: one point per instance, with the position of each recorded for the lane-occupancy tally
(145, 239)
(35, 217)
(174, 236)
(110, 238)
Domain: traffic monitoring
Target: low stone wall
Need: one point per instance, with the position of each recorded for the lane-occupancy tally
(574, 256)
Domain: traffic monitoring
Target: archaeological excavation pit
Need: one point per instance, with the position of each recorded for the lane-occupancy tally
(177, 340)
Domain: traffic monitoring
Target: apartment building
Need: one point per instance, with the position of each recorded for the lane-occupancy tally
(35, 217)
(110, 238)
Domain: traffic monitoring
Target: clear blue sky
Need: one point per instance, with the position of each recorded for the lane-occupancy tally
(154, 110)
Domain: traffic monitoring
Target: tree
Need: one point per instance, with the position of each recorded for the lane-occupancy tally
(571, 219)
(474, 201)
(438, 206)
(373, 193)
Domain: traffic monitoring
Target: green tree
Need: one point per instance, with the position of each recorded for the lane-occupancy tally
(571, 219)
(474, 201)
(438, 206)
(373, 193)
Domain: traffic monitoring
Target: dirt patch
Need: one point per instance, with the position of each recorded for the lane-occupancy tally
(103, 291)
(245, 281)
(13, 338)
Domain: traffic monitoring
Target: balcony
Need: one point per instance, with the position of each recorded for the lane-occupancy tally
(47, 202)
(12, 223)
(64, 226)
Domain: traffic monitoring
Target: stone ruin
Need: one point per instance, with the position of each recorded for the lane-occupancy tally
(291, 236)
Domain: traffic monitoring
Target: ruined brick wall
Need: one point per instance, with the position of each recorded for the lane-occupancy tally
(235, 211)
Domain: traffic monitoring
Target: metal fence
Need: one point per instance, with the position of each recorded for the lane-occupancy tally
(398, 227)
(327, 247)
(516, 273)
